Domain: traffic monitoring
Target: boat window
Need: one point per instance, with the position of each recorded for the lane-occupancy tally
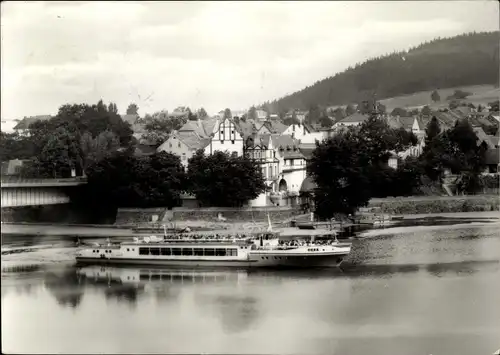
(187, 251)
(143, 251)
(220, 252)
(232, 252)
(198, 251)
(155, 277)
(128, 249)
(154, 251)
(176, 251)
(165, 251)
(143, 276)
(209, 252)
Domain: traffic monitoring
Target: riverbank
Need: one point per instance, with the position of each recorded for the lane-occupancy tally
(436, 204)
(101, 231)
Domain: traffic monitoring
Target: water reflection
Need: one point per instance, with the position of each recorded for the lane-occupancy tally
(129, 284)
(423, 291)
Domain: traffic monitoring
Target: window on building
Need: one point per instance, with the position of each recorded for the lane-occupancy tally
(291, 162)
(232, 141)
(170, 145)
(234, 154)
(179, 144)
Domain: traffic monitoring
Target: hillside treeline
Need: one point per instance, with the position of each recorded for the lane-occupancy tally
(469, 59)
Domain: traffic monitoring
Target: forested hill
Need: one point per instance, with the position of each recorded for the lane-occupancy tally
(469, 59)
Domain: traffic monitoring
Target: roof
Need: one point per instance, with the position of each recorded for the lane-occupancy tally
(245, 128)
(130, 118)
(482, 137)
(284, 141)
(463, 110)
(492, 156)
(355, 117)
(495, 140)
(261, 140)
(203, 128)
(423, 121)
(407, 122)
(192, 140)
(275, 127)
(27, 121)
(446, 119)
(292, 154)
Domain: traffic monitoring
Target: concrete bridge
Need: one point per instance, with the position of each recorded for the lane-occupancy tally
(18, 192)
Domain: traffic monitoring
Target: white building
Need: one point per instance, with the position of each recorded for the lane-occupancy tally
(225, 137)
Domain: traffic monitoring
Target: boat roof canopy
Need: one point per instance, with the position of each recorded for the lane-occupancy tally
(295, 232)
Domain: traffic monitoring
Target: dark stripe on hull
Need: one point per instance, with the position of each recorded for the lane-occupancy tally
(256, 262)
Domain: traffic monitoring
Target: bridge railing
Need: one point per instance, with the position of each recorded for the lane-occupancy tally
(21, 180)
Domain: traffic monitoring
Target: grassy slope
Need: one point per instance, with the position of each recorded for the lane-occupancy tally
(482, 94)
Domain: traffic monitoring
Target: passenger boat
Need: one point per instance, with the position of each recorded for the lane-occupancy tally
(252, 251)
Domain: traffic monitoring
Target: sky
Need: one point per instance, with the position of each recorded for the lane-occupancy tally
(161, 55)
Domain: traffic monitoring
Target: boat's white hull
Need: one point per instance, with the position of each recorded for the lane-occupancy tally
(266, 260)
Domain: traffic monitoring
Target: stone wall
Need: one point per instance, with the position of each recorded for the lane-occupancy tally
(437, 204)
(145, 215)
(140, 215)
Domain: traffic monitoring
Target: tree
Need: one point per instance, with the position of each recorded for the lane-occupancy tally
(61, 154)
(494, 105)
(459, 95)
(435, 96)
(350, 110)
(398, 111)
(15, 146)
(351, 167)
(339, 114)
(252, 113)
(223, 180)
(132, 109)
(227, 113)
(340, 169)
(432, 130)
(426, 111)
(407, 177)
(381, 108)
(159, 125)
(325, 121)
(96, 149)
(191, 116)
(113, 108)
(128, 181)
(313, 115)
(202, 114)
(456, 150)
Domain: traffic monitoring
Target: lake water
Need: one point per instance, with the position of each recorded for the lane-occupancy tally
(405, 290)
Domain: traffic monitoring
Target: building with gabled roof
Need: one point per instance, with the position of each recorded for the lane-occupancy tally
(184, 145)
(355, 119)
(24, 124)
(226, 136)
